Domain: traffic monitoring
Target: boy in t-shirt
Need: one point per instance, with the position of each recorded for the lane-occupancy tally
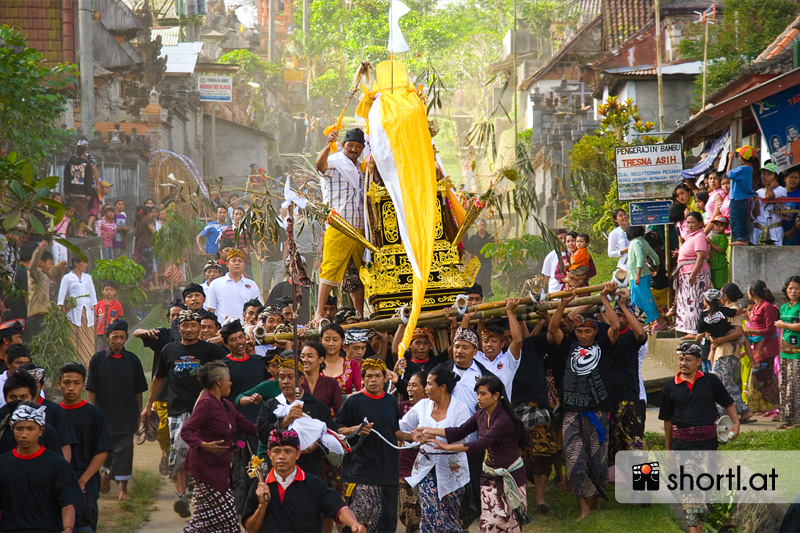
(107, 229)
(93, 445)
(121, 220)
(106, 312)
(38, 490)
(718, 258)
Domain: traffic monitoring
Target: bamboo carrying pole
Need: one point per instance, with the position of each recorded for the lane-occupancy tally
(438, 318)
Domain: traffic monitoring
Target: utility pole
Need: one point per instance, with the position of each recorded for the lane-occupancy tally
(658, 68)
(86, 58)
(273, 10)
(191, 29)
(306, 15)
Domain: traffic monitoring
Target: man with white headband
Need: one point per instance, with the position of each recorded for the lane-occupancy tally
(38, 491)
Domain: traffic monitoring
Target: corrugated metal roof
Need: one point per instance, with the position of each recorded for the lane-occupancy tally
(169, 35)
(690, 67)
(182, 57)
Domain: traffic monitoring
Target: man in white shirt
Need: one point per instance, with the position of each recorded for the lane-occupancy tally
(227, 295)
(550, 263)
(502, 363)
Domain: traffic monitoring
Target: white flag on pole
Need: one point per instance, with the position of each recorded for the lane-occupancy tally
(397, 43)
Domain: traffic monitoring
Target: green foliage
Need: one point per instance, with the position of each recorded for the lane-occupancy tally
(315, 55)
(125, 272)
(593, 171)
(251, 67)
(32, 98)
(514, 257)
(746, 28)
(52, 346)
(176, 236)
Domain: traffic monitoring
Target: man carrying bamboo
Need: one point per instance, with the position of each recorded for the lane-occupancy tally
(343, 191)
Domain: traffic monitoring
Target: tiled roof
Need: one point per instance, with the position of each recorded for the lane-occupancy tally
(622, 18)
(682, 67)
(782, 42)
(588, 9)
(47, 25)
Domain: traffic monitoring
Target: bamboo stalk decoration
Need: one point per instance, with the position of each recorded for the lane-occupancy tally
(469, 219)
(336, 220)
(434, 319)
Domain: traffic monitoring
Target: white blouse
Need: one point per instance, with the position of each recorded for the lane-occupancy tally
(82, 289)
(452, 469)
(617, 240)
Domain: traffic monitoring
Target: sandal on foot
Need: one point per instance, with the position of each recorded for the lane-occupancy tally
(543, 508)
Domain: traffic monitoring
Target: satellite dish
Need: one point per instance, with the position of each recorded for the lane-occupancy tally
(724, 429)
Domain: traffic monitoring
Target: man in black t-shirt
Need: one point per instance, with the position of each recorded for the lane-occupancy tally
(38, 491)
(371, 471)
(689, 411)
(156, 339)
(246, 371)
(289, 499)
(586, 402)
(626, 426)
(93, 445)
(115, 384)
(531, 401)
(177, 366)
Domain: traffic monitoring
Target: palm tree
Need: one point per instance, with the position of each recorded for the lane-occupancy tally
(314, 55)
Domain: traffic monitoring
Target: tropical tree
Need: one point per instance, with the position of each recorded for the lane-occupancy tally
(314, 56)
(746, 28)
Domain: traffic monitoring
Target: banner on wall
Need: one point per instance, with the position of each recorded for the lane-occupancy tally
(778, 118)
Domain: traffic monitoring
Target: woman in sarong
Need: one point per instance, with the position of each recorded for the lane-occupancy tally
(764, 394)
(692, 276)
(501, 435)
(439, 478)
(790, 353)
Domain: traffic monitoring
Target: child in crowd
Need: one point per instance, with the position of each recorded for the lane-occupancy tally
(791, 235)
(107, 229)
(121, 220)
(700, 200)
(94, 442)
(581, 255)
(767, 225)
(106, 312)
(713, 326)
(718, 245)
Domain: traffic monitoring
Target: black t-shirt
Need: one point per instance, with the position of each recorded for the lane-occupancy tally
(623, 376)
(716, 322)
(33, 489)
(49, 440)
(695, 406)
(284, 289)
(585, 371)
(529, 383)
(245, 375)
(165, 336)
(19, 307)
(299, 509)
(116, 380)
(374, 462)
(178, 363)
(78, 176)
(412, 367)
(90, 427)
(55, 417)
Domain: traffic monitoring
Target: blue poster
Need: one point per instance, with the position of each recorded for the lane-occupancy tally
(650, 213)
(778, 118)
